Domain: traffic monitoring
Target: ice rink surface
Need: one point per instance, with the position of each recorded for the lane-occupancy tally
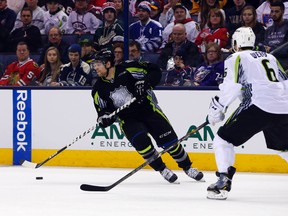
(145, 193)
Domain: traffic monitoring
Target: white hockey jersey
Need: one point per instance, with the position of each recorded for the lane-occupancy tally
(55, 20)
(256, 77)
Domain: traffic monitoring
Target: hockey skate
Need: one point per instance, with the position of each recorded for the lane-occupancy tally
(195, 174)
(220, 189)
(169, 176)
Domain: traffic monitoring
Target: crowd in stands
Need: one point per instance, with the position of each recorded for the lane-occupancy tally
(188, 39)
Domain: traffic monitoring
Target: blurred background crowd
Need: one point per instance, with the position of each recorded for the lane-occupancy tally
(54, 42)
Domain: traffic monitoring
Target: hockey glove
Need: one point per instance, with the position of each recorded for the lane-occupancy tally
(215, 114)
(106, 120)
(141, 87)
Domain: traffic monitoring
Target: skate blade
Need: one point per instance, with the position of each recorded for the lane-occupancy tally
(175, 182)
(201, 180)
(223, 195)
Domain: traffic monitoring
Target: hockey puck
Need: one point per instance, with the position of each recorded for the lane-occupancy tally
(39, 178)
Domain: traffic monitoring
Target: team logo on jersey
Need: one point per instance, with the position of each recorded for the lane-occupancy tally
(120, 96)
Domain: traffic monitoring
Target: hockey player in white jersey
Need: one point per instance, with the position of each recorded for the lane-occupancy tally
(259, 81)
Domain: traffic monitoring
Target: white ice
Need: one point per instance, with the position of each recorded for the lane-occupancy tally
(145, 193)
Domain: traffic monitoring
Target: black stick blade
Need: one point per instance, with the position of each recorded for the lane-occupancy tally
(87, 187)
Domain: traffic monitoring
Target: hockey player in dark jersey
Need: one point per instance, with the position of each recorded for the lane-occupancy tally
(116, 86)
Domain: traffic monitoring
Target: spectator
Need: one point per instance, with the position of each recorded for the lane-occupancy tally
(249, 19)
(233, 16)
(180, 73)
(118, 51)
(81, 21)
(205, 7)
(88, 54)
(28, 33)
(55, 38)
(211, 72)
(22, 72)
(76, 72)
(54, 16)
(109, 29)
(134, 51)
(118, 40)
(7, 16)
(264, 13)
(156, 10)
(146, 31)
(277, 34)
(216, 31)
(38, 15)
(52, 68)
(7, 20)
(192, 27)
(119, 6)
(179, 41)
(167, 15)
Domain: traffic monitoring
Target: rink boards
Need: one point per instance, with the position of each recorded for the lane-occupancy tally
(36, 123)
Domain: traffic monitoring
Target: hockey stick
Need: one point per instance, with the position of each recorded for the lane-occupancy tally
(29, 164)
(89, 187)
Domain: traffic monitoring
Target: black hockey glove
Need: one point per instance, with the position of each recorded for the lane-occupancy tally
(106, 120)
(141, 87)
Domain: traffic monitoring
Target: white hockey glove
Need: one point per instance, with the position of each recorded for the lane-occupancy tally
(215, 114)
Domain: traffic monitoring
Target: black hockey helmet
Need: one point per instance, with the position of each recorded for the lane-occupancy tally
(105, 56)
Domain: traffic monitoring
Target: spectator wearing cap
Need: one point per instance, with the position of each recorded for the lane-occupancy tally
(54, 16)
(81, 20)
(109, 29)
(156, 10)
(76, 72)
(179, 42)
(88, 54)
(192, 28)
(167, 15)
(146, 31)
(118, 40)
(55, 39)
(179, 73)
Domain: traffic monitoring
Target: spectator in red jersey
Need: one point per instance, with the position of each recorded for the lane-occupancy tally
(22, 72)
(216, 32)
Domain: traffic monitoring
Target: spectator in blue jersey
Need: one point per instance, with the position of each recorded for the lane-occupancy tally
(179, 75)
(7, 20)
(211, 72)
(277, 34)
(76, 72)
(146, 31)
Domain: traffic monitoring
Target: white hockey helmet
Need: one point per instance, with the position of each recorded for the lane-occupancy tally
(243, 37)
